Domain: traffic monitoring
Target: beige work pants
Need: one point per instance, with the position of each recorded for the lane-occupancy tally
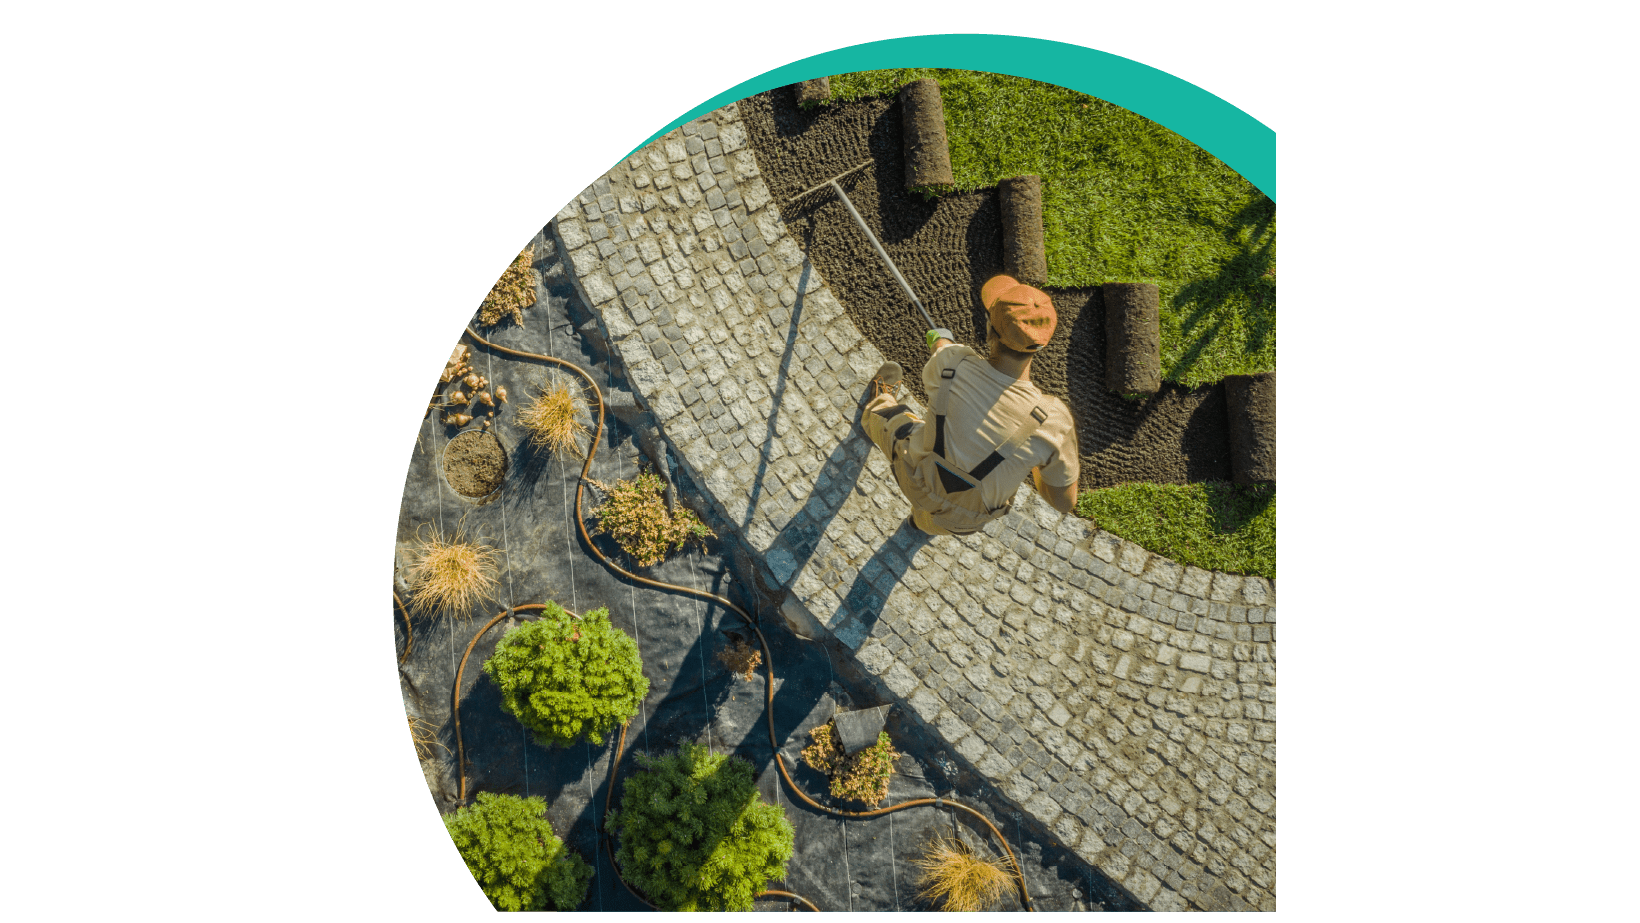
(876, 426)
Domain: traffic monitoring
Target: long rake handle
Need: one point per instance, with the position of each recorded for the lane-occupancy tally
(883, 253)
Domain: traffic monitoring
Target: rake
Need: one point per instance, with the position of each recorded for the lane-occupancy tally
(895, 270)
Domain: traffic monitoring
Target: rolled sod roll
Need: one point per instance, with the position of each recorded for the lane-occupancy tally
(1024, 254)
(1251, 402)
(1133, 337)
(927, 156)
(817, 90)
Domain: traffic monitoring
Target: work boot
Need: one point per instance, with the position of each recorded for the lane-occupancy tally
(887, 379)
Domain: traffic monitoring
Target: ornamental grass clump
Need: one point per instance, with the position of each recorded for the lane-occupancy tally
(694, 833)
(563, 676)
(512, 293)
(635, 515)
(450, 575)
(959, 880)
(514, 856)
(423, 735)
(555, 418)
(862, 776)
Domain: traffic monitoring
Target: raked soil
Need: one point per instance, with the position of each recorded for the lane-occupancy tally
(947, 248)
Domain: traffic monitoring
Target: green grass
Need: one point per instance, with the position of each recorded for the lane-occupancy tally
(1124, 200)
(1214, 526)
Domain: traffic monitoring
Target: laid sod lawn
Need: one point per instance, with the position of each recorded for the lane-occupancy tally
(1124, 200)
(1214, 526)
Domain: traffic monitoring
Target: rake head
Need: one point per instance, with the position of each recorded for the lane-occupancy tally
(825, 186)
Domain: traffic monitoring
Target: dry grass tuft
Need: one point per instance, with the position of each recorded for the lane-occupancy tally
(451, 575)
(512, 293)
(960, 880)
(741, 659)
(554, 418)
(422, 734)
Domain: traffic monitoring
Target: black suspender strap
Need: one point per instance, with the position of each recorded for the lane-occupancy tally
(946, 375)
(1013, 443)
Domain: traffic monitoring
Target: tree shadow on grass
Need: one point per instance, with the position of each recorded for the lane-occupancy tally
(1232, 508)
(1250, 272)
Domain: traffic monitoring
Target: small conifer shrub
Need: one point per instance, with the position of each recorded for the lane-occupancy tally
(563, 676)
(694, 833)
(635, 515)
(514, 856)
(862, 776)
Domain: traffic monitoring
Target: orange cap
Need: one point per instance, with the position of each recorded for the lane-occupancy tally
(1022, 315)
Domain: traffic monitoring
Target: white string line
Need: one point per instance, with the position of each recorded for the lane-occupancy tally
(631, 588)
(893, 863)
(569, 542)
(592, 800)
(575, 605)
(847, 875)
(700, 631)
(438, 495)
(512, 592)
(1020, 839)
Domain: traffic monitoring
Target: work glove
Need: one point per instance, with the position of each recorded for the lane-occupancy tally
(937, 334)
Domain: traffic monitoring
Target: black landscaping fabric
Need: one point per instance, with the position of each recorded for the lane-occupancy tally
(1133, 337)
(1252, 407)
(927, 153)
(947, 248)
(838, 864)
(1024, 252)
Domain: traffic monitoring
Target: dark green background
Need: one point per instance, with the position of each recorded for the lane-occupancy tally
(238, 246)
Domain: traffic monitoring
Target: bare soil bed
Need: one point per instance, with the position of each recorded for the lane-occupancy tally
(946, 249)
(475, 463)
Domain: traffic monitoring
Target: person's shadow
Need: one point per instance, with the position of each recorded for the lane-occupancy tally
(881, 573)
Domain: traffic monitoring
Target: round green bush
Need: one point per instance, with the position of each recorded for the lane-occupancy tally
(562, 676)
(510, 848)
(694, 833)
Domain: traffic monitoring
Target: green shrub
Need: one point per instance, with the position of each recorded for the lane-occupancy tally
(563, 676)
(694, 833)
(510, 848)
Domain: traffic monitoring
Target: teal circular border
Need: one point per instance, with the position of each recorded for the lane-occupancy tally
(1245, 144)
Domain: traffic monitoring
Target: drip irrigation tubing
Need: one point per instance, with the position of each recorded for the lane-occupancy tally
(768, 667)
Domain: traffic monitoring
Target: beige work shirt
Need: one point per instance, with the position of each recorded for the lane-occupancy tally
(984, 408)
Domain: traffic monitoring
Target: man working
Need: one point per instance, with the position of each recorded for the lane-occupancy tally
(991, 426)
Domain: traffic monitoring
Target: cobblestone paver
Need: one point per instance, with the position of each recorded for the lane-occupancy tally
(1124, 701)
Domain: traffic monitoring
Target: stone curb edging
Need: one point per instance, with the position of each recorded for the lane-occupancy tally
(1125, 702)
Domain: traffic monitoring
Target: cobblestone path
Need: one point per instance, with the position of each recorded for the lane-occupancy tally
(1125, 702)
